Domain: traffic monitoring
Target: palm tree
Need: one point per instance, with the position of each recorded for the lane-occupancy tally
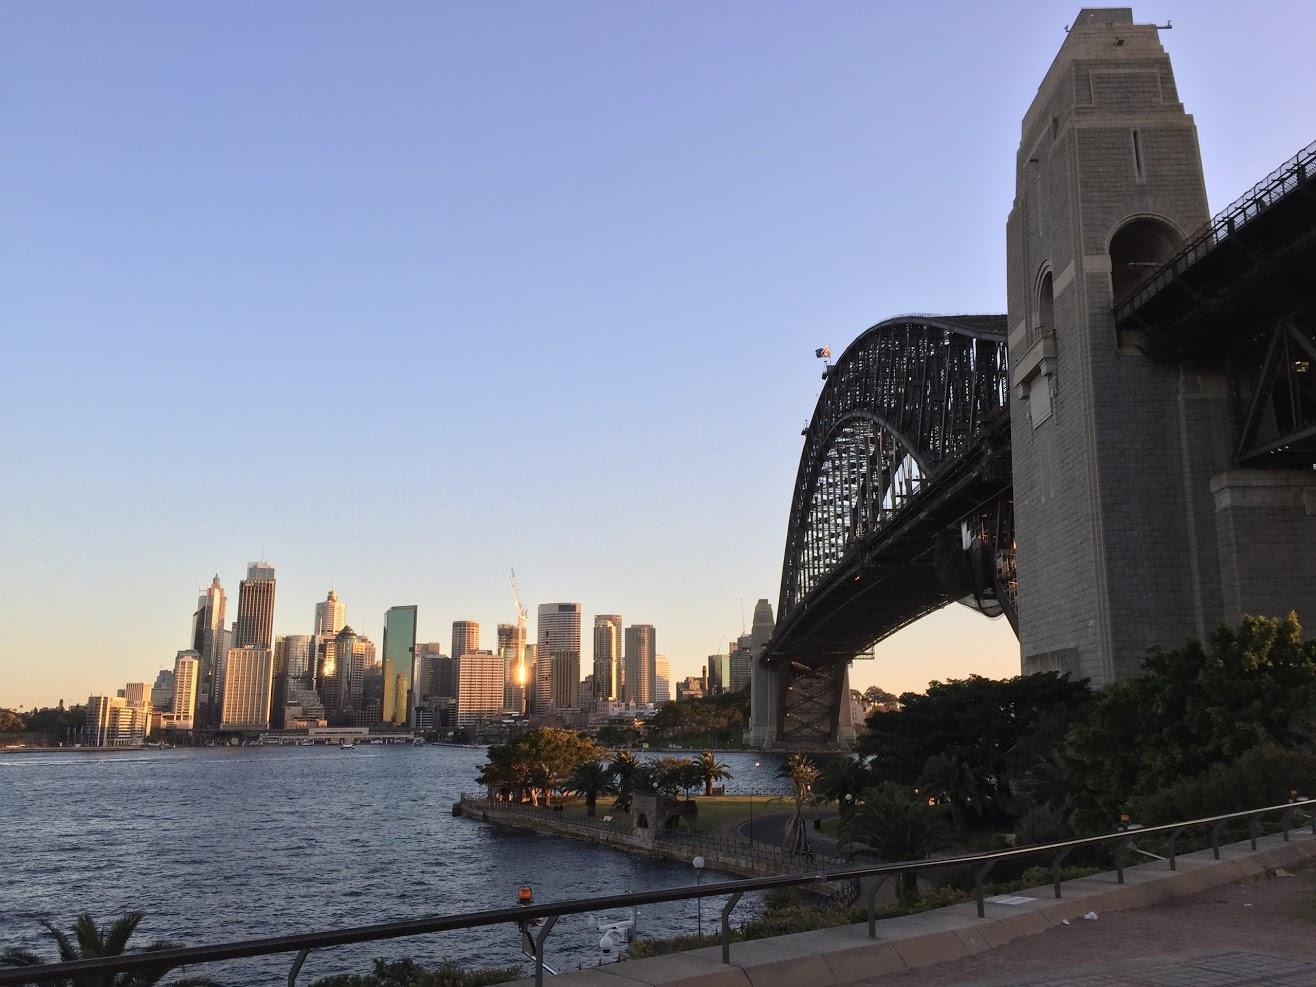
(89, 941)
(802, 774)
(591, 779)
(841, 779)
(623, 767)
(950, 778)
(711, 770)
(898, 825)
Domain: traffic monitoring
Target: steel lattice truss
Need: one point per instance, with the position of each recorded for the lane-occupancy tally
(908, 397)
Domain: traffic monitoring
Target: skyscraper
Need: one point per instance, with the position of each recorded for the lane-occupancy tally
(186, 670)
(399, 665)
(511, 648)
(465, 637)
(479, 689)
(558, 627)
(292, 653)
(741, 663)
(255, 623)
(442, 681)
(641, 665)
(208, 642)
(607, 656)
(719, 674)
(342, 672)
(330, 615)
(662, 679)
(248, 685)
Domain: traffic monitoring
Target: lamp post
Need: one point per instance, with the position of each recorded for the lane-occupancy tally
(698, 863)
(751, 810)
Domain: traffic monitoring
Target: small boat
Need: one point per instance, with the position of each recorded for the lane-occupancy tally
(305, 743)
(347, 745)
(615, 934)
(417, 741)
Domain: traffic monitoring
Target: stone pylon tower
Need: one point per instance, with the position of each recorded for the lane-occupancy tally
(1113, 454)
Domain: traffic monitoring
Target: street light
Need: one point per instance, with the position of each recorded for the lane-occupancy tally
(699, 880)
(751, 811)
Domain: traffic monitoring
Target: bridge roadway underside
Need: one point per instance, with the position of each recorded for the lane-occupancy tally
(891, 580)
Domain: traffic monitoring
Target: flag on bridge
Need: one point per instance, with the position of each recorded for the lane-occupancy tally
(824, 353)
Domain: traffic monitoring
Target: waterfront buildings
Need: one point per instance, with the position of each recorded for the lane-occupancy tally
(162, 692)
(719, 674)
(465, 637)
(690, 687)
(607, 656)
(480, 680)
(516, 677)
(248, 687)
(558, 627)
(641, 663)
(399, 666)
(187, 673)
(662, 680)
(114, 722)
(741, 663)
(208, 642)
(342, 671)
(440, 668)
(255, 623)
(293, 654)
(330, 616)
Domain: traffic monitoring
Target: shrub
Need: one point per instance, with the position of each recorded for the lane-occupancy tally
(409, 973)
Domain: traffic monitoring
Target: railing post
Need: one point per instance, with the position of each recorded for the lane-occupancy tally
(297, 967)
(1174, 838)
(1215, 838)
(1119, 859)
(539, 949)
(1252, 830)
(978, 892)
(726, 926)
(870, 902)
(1285, 821)
(1056, 861)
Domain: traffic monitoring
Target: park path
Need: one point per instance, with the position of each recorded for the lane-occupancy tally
(1234, 935)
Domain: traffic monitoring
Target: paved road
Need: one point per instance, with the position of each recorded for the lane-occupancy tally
(770, 828)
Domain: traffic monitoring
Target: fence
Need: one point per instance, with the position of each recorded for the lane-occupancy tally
(538, 920)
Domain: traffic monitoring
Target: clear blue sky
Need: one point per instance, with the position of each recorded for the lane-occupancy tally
(402, 294)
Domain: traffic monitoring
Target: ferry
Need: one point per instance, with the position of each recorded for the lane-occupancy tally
(346, 745)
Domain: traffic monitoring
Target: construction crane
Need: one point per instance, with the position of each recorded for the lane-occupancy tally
(521, 615)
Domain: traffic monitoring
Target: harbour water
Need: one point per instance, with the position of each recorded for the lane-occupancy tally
(216, 845)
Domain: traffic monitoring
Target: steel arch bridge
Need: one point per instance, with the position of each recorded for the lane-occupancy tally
(901, 505)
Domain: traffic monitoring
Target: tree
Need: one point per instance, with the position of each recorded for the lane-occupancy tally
(715, 721)
(802, 774)
(591, 779)
(949, 779)
(534, 764)
(839, 777)
(623, 768)
(711, 770)
(873, 697)
(991, 725)
(898, 825)
(1191, 708)
(89, 941)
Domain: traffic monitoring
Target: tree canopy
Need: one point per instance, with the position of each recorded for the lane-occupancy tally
(1192, 710)
(534, 764)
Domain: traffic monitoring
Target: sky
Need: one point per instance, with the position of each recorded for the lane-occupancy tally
(400, 295)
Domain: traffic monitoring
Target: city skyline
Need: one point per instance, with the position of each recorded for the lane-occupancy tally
(753, 153)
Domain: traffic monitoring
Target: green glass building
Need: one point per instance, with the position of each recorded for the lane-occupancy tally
(399, 666)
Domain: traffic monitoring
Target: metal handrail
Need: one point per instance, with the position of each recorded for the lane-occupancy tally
(1247, 207)
(529, 915)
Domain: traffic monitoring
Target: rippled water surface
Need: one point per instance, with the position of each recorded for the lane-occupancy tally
(217, 845)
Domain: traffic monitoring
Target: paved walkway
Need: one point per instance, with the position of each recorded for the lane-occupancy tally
(1242, 933)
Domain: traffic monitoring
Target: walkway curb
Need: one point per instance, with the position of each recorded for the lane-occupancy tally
(846, 954)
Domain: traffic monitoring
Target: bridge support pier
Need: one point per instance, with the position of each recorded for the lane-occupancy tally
(774, 720)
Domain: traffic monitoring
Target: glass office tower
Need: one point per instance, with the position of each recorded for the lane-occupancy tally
(399, 666)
